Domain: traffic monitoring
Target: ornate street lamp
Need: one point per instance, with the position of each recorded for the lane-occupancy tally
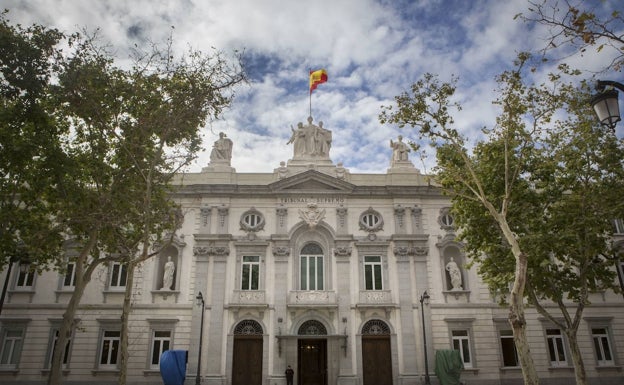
(424, 299)
(605, 103)
(200, 302)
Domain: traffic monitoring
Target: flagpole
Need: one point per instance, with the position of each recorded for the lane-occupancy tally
(310, 91)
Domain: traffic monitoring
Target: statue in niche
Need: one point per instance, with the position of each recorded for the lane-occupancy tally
(310, 141)
(169, 270)
(455, 274)
(400, 150)
(221, 150)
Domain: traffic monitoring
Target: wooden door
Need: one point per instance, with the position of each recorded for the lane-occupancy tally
(376, 360)
(247, 360)
(312, 365)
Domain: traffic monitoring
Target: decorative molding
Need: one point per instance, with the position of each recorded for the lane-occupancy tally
(255, 227)
(312, 215)
(281, 251)
(204, 215)
(377, 219)
(343, 251)
(211, 250)
(399, 213)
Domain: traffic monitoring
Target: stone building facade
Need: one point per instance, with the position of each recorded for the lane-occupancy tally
(352, 279)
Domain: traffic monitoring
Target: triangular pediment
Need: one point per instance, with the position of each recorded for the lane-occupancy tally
(312, 181)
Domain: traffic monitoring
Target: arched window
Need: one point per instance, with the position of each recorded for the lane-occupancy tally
(375, 327)
(311, 267)
(248, 327)
(312, 328)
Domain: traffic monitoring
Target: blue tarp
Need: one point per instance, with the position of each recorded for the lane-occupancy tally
(173, 366)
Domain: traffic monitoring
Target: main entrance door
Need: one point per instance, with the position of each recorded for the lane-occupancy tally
(247, 355)
(312, 365)
(376, 354)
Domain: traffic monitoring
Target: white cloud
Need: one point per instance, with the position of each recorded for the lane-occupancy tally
(372, 50)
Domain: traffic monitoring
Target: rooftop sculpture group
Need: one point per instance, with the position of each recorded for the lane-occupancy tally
(311, 145)
(310, 141)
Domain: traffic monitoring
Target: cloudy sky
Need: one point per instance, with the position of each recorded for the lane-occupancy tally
(372, 51)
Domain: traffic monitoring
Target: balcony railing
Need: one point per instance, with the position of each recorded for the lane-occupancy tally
(375, 297)
(318, 298)
(249, 297)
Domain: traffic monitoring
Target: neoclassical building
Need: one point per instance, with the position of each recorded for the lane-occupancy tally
(351, 279)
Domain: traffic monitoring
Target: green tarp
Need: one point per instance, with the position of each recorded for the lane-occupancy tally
(448, 366)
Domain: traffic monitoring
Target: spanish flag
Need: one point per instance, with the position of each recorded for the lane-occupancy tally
(317, 77)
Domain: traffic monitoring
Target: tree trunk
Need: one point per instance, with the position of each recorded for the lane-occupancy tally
(125, 316)
(516, 308)
(83, 276)
(577, 359)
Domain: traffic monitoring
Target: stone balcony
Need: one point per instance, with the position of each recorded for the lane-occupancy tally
(375, 297)
(312, 298)
(248, 298)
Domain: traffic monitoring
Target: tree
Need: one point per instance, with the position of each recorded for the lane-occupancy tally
(534, 199)
(562, 216)
(125, 134)
(180, 96)
(29, 149)
(580, 25)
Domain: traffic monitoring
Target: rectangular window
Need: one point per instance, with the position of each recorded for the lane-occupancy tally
(311, 272)
(52, 347)
(372, 273)
(109, 351)
(508, 349)
(461, 343)
(251, 273)
(556, 347)
(70, 275)
(25, 278)
(602, 346)
(118, 275)
(161, 341)
(11, 350)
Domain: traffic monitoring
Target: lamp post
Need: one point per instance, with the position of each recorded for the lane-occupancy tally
(200, 301)
(424, 298)
(605, 103)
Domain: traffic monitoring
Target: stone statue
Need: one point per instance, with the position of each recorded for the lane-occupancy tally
(400, 150)
(340, 171)
(169, 270)
(221, 150)
(282, 170)
(455, 274)
(324, 139)
(310, 141)
(298, 138)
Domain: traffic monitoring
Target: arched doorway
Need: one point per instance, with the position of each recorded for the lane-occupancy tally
(247, 359)
(376, 353)
(312, 354)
